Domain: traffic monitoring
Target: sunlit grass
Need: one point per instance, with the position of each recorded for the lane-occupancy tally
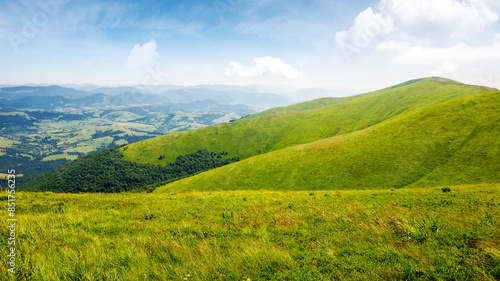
(301, 123)
(401, 234)
(453, 142)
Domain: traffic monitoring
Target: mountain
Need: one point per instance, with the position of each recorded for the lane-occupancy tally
(372, 123)
(27, 91)
(95, 101)
(101, 100)
(131, 98)
(257, 99)
(454, 142)
(39, 102)
(293, 125)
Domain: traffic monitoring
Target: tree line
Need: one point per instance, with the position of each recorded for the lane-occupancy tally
(108, 172)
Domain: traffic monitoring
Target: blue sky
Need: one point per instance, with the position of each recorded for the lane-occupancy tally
(314, 43)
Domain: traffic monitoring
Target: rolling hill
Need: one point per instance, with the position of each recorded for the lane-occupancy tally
(450, 143)
(302, 123)
(411, 133)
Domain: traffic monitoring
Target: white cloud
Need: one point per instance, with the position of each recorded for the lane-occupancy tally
(430, 19)
(143, 56)
(438, 17)
(496, 38)
(446, 68)
(406, 53)
(367, 26)
(263, 66)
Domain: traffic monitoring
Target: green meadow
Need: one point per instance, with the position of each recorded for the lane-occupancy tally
(396, 184)
(440, 233)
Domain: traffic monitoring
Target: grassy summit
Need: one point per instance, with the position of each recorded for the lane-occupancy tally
(392, 137)
(303, 123)
(449, 143)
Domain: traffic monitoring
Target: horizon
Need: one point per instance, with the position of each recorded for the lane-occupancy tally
(296, 94)
(305, 44)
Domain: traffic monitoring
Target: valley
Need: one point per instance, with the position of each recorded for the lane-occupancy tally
(42, 128)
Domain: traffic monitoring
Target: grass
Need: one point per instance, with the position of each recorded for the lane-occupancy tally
(249, 137)
(6, 143)
(6, 176)
(450, 143)
(404, 234)
(309, 105)
(60, 156)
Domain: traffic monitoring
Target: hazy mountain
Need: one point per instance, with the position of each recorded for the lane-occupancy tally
(95, 101)
(28, 91)
(136, 98)
(39, 102)
(256, 97)
(316, 93)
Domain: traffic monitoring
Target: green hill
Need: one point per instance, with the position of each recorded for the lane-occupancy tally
(106, 171)
(314, 104)
(450, 143)
(294, 125)
(248, 137)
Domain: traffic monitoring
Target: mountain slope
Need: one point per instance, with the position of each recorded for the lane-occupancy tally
(252, 136)
(40, 102)
(27, 91)
(249, 137)
(315, 104)
(450, 143)
(107, 172)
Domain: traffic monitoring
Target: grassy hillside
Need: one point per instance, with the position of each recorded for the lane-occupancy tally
(314, 104)
(106, 171)
(449, 143)
(252, 136)
(406, 234)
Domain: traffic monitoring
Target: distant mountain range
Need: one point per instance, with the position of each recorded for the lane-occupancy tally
(57, 97)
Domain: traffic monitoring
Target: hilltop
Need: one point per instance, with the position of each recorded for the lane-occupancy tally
(450, 143)
(273, 138)
(302, 123)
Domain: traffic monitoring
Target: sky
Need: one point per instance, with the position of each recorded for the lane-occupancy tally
(357, 44)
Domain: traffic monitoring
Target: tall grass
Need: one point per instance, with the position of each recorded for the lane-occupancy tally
(405, 234)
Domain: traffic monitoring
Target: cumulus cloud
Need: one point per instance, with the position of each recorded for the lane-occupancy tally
(452, 17)
(367, 26)
(143, 56)
(460, 52)
(429, 19)
(446, 68)
(263, 66)
(496, 38)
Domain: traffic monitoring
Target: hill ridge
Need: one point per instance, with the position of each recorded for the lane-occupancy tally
(278, 130)
(249, 137)
(432, 151)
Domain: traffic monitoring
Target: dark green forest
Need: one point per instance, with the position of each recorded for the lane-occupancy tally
(108, 172)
